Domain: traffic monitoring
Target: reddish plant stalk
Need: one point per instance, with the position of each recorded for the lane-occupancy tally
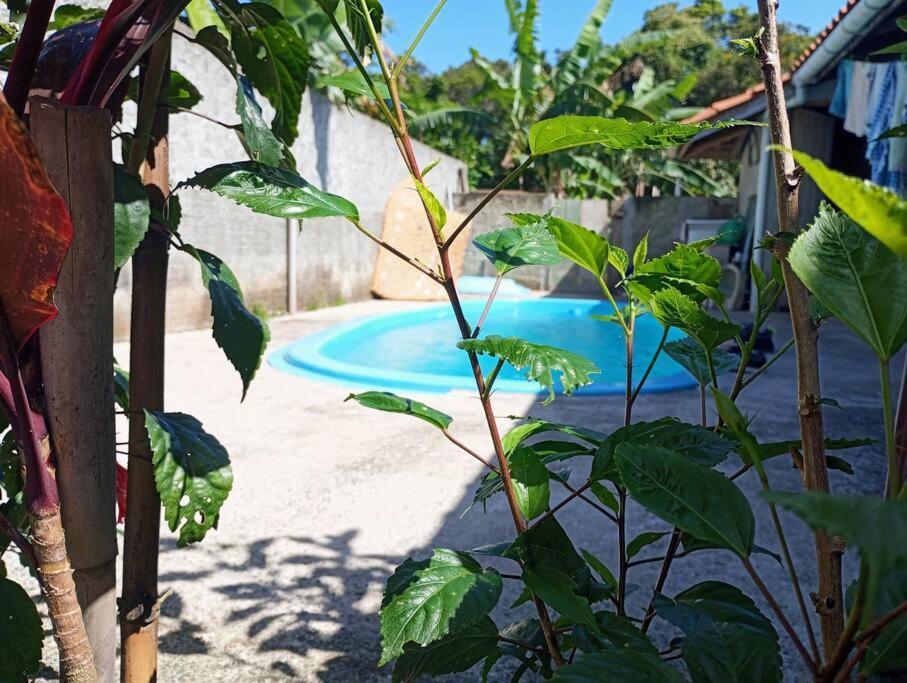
(830, 596)
(42, 504)
(21, 71)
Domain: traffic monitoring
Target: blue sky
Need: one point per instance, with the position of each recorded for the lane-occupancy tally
(482, 24)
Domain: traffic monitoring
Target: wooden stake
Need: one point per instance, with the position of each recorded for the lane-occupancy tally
(77, 362)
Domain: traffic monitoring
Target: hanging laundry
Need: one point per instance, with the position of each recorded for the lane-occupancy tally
(880, 116)
(841, 97)
(897, 152)
(860, 88)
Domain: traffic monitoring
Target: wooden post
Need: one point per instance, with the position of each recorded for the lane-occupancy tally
(139, 606)
(77, 362)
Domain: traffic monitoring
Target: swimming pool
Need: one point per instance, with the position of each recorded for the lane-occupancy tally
(416, 350)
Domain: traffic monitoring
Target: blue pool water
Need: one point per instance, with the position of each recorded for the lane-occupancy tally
(416, 350)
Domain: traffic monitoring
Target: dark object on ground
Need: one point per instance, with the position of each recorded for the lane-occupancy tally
(764, 344)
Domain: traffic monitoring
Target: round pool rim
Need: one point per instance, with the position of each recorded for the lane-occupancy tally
(305, 357)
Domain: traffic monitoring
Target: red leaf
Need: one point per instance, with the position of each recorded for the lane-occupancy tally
(122, 480)
(35, 231)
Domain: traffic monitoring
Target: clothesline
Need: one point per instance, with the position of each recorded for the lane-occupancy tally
(871, 97)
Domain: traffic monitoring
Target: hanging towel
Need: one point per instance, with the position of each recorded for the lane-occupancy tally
(860, 87)
(881, 114)
(841, 97)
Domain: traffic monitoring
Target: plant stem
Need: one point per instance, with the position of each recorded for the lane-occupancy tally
(491, 296)
(25, 58)
(645, 375)
(662, 577)
(702, 410)
(776, 608)
(396, 252)
(815, 471)
(42, 504)
(575, 494)
(492, 376)
(484, 395)
(147, 113)
(21, 542)
(893, 486)
(464, 447)
(771, 361)
(398, 67)
(513, 175)
(844, 646)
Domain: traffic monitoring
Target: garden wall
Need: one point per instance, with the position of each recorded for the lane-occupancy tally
(339, 150)
(565, 278)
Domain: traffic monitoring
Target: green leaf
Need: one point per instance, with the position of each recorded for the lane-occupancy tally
(775, 448)
(435, 208)
(121, 387)
(426, 600)
(685, 268)
(510, 248)
(641, 252)
(896, 132)
(531, 484)
(727, 638)
(354, 82)
(878, 210)
(584, 247)
(866, 522)
(617, 665)
(263, 146)
(541, 361)
(67, 15)
(692, 497)
(673, 309)
(201, 15)
(690, 354)
(453, 653)
(566, 132)
(857, 278)
(888, 652)
(546, 544)
(599, 568)
(644, 539)
(391, 403)
(604, 495)
(131, 214)
(179, 93)
(21, 634)
(274, 57)
(535, 427)
(615, 632)
(241, 334)
(192, 473)
(694, 442)
(271, 191)
(557, 590)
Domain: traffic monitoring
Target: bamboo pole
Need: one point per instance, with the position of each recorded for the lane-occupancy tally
(139, 605)
(77, 362)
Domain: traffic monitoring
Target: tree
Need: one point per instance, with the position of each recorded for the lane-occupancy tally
(701, 35)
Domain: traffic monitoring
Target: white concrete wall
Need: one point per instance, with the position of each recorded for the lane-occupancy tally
(339, 150)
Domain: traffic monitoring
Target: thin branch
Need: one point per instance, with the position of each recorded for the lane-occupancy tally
(607, 513)
(662, 577)
(771, 361)
(491, 296)
(396, 252)
(398, 67)
(576, 494)
(492, 376)
(645, 376)
(467, 449)
(513, 175)
(659, 558)
(210, 119)
(776, 608)
(16, 537)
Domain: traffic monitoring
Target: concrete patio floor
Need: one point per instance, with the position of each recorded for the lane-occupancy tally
(330, 497)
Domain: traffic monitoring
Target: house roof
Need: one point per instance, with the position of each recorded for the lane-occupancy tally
(721, 106)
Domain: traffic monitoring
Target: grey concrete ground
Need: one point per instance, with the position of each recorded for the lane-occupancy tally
(329, 497)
